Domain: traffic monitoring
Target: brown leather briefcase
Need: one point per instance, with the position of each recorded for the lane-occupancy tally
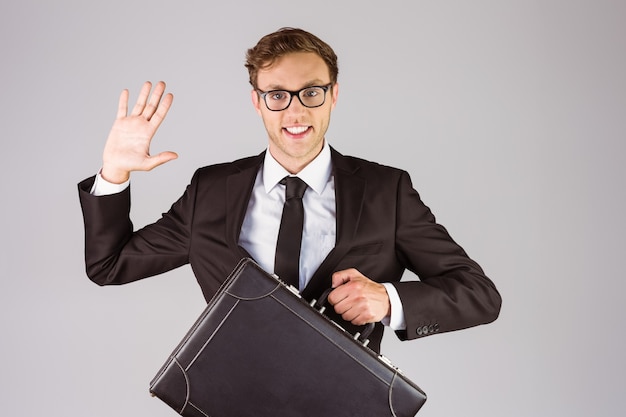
(259, 349)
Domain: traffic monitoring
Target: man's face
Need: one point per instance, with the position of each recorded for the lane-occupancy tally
(296, 134)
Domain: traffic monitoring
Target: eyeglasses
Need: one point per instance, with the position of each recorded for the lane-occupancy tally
(278, 100)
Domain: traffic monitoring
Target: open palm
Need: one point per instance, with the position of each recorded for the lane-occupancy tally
(128, 146)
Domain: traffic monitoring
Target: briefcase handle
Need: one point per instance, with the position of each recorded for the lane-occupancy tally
(360, 336)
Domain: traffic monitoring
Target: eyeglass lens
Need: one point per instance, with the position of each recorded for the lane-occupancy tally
(309, 97)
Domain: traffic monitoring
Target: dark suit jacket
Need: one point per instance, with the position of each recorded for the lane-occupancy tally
(383, 228)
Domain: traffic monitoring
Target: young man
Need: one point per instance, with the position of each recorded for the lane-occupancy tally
(363, 225)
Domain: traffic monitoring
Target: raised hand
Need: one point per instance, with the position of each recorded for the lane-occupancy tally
(128, 146)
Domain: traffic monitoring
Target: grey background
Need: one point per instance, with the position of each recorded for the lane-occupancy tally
(509, 115)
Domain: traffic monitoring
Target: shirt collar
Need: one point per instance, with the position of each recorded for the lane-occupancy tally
(316, 174)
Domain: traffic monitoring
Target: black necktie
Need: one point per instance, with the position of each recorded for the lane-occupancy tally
(287, 261)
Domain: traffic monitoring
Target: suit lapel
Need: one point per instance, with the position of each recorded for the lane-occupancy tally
(238, 191)
(349, 199)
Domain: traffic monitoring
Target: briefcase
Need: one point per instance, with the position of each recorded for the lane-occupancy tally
(259, 349)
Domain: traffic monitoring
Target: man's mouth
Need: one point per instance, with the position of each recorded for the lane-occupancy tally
(297, 130)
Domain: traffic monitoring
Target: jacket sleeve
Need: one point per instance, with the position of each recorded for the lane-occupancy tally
(115, 253)
(453, 292)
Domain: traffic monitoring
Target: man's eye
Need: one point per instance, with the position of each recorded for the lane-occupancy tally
(278, 95)
(311, 92)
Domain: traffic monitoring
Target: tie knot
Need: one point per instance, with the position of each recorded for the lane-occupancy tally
(295, 187)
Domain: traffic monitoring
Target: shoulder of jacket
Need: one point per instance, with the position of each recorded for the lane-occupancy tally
(228, 168)
(356, 164)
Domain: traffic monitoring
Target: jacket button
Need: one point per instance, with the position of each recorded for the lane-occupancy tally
(419, 331)
(425, 330)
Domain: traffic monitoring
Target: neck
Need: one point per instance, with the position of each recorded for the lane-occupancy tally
(294, 165)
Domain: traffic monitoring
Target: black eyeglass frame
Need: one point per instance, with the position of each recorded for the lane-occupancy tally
(263, 95)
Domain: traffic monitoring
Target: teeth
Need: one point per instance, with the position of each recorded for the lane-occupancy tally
(296, 130)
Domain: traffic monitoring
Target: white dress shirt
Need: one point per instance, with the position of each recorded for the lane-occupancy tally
(259, 232)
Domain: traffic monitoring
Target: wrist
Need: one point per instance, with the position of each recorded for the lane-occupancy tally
(114, 176)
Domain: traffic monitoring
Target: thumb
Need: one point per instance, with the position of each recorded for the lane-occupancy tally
(159, 159)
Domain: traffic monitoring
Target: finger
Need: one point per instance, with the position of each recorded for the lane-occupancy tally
(159, 159)
(122, 105)
(342, 307)
(357, 312)
(336, 296)
(142, 99)
(161, 111)
(155, 99)
(351, 313)
(340, 278)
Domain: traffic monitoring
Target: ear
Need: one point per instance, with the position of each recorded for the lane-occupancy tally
(335, 91)
(255, 101)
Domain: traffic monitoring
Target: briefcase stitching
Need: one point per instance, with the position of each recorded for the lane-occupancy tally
(332, 341)
(255, 298)
(203, 413)
(212, 335)
(393, 413)
(187, 387)
(216, 299)
(236, 271)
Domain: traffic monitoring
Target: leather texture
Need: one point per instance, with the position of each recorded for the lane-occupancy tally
(258, 349)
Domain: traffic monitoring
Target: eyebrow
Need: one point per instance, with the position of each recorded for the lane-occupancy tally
(274, 87)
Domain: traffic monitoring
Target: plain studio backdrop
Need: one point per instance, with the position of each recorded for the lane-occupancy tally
(510, 117)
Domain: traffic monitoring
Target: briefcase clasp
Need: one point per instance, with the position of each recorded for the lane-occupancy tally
(320, 305)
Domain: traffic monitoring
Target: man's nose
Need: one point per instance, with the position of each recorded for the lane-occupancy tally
(296, 105)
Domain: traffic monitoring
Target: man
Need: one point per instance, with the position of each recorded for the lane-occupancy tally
(364, 224)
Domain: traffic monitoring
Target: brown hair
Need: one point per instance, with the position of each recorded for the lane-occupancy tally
(285, 41)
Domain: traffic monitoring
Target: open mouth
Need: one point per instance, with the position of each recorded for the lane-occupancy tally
(297, 131)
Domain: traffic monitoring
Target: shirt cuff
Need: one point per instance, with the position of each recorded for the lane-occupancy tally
(103, 187)
(395, 320)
